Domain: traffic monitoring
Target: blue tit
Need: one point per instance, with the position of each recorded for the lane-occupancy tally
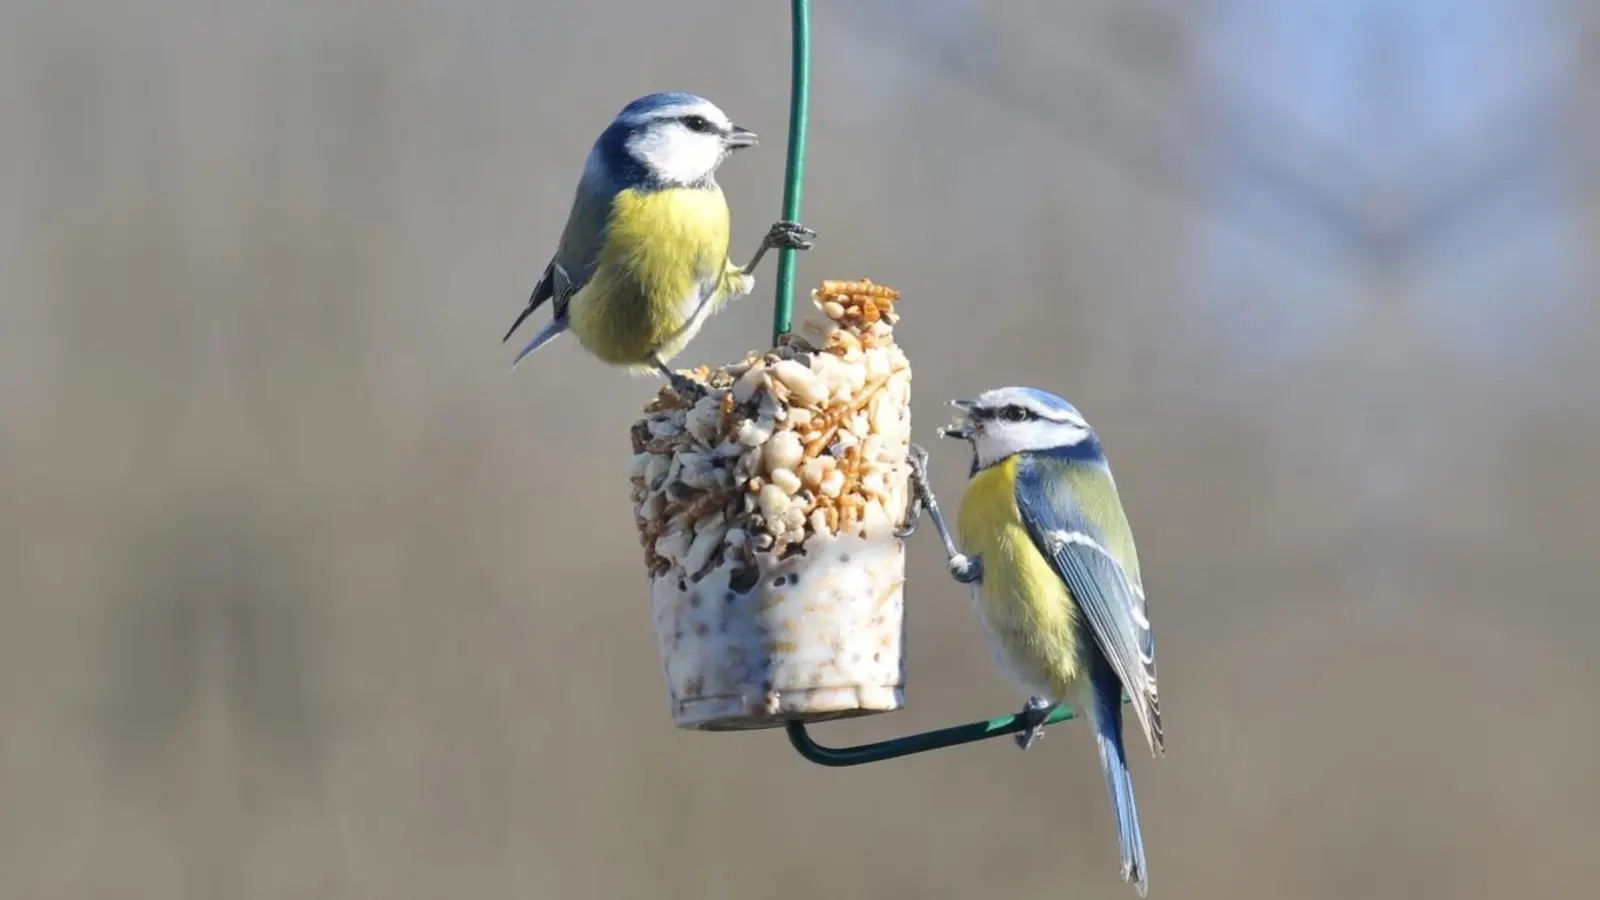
(1047, 549)
(643, 261)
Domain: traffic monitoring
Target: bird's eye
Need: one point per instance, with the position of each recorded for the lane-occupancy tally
(1014, 414)
(697, 123)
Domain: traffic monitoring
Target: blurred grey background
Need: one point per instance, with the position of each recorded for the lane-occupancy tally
(303, 596)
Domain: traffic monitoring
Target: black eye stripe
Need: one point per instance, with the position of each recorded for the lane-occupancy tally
(1008, 413)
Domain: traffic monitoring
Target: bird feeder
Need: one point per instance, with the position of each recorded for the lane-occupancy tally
(792, 613)
(768, 509)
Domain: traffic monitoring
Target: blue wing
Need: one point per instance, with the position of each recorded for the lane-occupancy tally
(579, 251)
(1112, 604)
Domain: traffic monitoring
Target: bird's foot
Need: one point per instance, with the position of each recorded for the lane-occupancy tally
(964, 569)
(1033, 714)
(918, 460)
(682, 385)
(687, 387)
(787, 235)
(782, 235)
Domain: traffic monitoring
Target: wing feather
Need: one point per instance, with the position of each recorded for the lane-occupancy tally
(1112, 603)
(582, 239)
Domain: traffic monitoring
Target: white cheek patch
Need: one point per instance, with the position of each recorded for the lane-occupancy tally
(677, 155)
(995, 444)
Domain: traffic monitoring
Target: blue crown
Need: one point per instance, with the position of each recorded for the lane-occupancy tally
(1051, 401)
(651, 102)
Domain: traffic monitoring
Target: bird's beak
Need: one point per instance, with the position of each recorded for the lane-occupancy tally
(962, 429)
(741, 137)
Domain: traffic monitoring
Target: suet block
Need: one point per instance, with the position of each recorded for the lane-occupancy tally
(767, 509)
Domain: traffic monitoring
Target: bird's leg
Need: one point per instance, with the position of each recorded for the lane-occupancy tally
(918, 460)
(782, 236)
(1033, 714)
(686, 387)
(965, 569)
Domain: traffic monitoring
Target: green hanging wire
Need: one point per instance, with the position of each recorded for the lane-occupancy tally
(782, 318)
(794, 175)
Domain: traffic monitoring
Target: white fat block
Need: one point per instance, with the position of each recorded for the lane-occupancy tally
(767, 509)
(818, 636)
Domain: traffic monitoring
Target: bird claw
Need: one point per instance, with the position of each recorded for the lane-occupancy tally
(686, 387)
(1033, 715)
(787, 235)
(913, 517)
(918, 459)
(962, 569)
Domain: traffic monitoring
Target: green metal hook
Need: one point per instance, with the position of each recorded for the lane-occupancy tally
(782, 318)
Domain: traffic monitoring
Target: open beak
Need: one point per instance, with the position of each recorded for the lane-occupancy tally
(962, 429)
(741, 137)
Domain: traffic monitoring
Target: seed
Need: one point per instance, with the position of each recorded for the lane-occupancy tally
(786, 480)
(783, 451)
(705, 544)
(651, 508)
(656, 469)
(704, 420)
(812, 472)
(865, 287)
(832, 484)
(847, 518)
(753, 380)
(874, 521)
(773, 502)
(807, 389)
(752, 435)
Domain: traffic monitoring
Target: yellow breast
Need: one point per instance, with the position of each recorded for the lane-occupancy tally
(1025, 605)
(661, 246)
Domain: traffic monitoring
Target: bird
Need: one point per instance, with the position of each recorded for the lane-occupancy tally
(643, 259)
(1050, 558)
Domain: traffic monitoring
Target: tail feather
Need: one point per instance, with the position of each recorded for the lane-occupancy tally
(547, 334)
(1107, 716)
(542, 291)
(521, 317)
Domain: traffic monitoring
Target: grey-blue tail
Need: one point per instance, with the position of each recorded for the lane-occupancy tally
(1107, 716)
(546, 334)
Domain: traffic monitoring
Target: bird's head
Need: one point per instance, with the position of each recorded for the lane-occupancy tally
(675, 139)
(1011, 420)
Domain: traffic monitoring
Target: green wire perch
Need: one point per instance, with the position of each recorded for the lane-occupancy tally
(782, 318)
